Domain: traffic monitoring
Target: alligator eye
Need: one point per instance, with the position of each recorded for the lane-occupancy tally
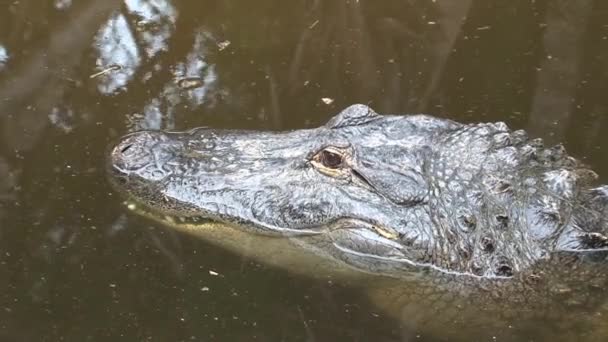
(330, 159)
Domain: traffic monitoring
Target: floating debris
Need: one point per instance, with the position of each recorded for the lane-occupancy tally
(223, 44)
(327, 100)
(313, 24)
(190, 83)
(111, 68)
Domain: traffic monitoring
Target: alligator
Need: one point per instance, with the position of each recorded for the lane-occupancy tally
(421, 208)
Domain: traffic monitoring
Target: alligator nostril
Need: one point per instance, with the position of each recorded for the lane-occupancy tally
(126, 148)
(134, 151)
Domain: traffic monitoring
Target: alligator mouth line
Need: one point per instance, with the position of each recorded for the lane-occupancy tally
(199, 221)
(174, 220)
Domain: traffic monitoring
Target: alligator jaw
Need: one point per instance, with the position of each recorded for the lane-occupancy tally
(375, 191)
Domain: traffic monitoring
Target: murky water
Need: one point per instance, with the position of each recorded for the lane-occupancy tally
(74, 75)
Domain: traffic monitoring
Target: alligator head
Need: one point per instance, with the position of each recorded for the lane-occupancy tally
(376, 192)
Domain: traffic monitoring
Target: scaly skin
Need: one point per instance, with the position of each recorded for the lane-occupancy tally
(467, 217)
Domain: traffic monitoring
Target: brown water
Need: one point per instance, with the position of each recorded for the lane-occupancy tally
(74, 75)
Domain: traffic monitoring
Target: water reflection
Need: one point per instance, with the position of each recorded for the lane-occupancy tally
(558, 74)
(195, 67)
(116, 44)
(191, 81)
(144, 27)
(62, 118)
(3, 56)
(155, 21)
(74, 265)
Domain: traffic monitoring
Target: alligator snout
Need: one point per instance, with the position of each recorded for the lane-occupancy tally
(134, 151)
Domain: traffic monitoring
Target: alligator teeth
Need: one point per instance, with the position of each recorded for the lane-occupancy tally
(386, 232)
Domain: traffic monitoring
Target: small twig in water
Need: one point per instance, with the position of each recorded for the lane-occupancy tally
(113, 67)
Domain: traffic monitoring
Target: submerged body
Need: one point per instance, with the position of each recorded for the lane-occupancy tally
(438, 210)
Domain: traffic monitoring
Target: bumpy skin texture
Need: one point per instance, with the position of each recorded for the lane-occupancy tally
(405, 193)
(475, 225)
